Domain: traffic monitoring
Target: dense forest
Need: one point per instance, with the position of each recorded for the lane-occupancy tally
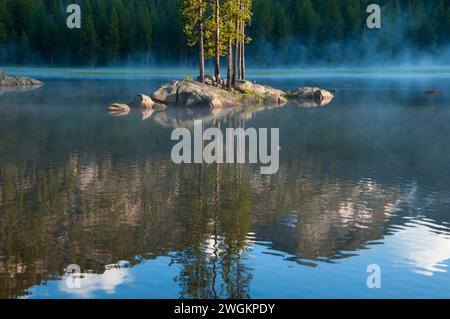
(282, 32)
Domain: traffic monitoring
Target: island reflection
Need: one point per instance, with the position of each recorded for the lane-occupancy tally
(95, 191)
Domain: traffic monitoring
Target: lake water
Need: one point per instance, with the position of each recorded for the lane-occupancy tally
(364, 180)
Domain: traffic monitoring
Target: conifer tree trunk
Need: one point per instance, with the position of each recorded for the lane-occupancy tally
(239, 59)
(243, 52)
(235, 61)
(236, 55)
(217, 44)
(201, 45)
(230, 61)
(238, 36)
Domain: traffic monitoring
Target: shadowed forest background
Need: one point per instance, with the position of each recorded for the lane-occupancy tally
(283, 32)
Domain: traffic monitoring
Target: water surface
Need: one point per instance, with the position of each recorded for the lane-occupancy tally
(363, 180)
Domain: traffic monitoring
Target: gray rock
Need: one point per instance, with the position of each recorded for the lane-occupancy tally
(168, 93)
(194, 93)
(310, 93)
(119, 108)
(142, 101)
(11, 81)
(275, 100)
(258, 89)
(209, 79)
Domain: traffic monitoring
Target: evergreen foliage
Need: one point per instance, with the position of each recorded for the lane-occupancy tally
(283, 32)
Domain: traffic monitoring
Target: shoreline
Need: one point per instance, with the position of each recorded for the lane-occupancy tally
(15, 81)
(124, 73)
(188, 93)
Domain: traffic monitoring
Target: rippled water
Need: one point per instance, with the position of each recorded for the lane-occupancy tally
(363, 180)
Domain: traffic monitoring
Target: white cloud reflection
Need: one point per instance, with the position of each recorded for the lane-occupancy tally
(114, 275)
(423, 248)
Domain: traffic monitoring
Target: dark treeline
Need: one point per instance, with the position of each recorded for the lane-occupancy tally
(283, 32)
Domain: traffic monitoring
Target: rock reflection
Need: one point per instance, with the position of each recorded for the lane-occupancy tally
(78, 187)
(184, 117)
(18, 89)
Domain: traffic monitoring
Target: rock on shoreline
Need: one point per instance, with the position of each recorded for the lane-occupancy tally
(142, 102)
(13, 81)
(192, 93)
(310, 93)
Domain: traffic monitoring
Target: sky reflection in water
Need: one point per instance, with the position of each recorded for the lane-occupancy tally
(363, 180)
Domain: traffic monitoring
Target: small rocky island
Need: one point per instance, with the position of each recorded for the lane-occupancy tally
(226, 37)
(190, 93)
(15, 81)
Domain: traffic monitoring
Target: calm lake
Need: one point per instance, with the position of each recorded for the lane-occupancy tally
(364, 180)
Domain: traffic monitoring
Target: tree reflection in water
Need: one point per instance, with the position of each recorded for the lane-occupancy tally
(77, 186)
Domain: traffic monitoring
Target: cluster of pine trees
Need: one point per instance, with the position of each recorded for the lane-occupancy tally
(218, 27)
(333, 32)
(113, 32)
(283, 32)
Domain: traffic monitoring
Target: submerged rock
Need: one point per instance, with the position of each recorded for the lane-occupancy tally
(311, 103)
(118, 109)
(18, 89)
(433, 92)
(275, 99)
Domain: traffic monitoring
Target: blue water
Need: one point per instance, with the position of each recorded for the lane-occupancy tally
(363, 180)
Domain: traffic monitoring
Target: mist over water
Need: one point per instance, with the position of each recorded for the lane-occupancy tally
(363, 180)
(299, 34)
(307, 75)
